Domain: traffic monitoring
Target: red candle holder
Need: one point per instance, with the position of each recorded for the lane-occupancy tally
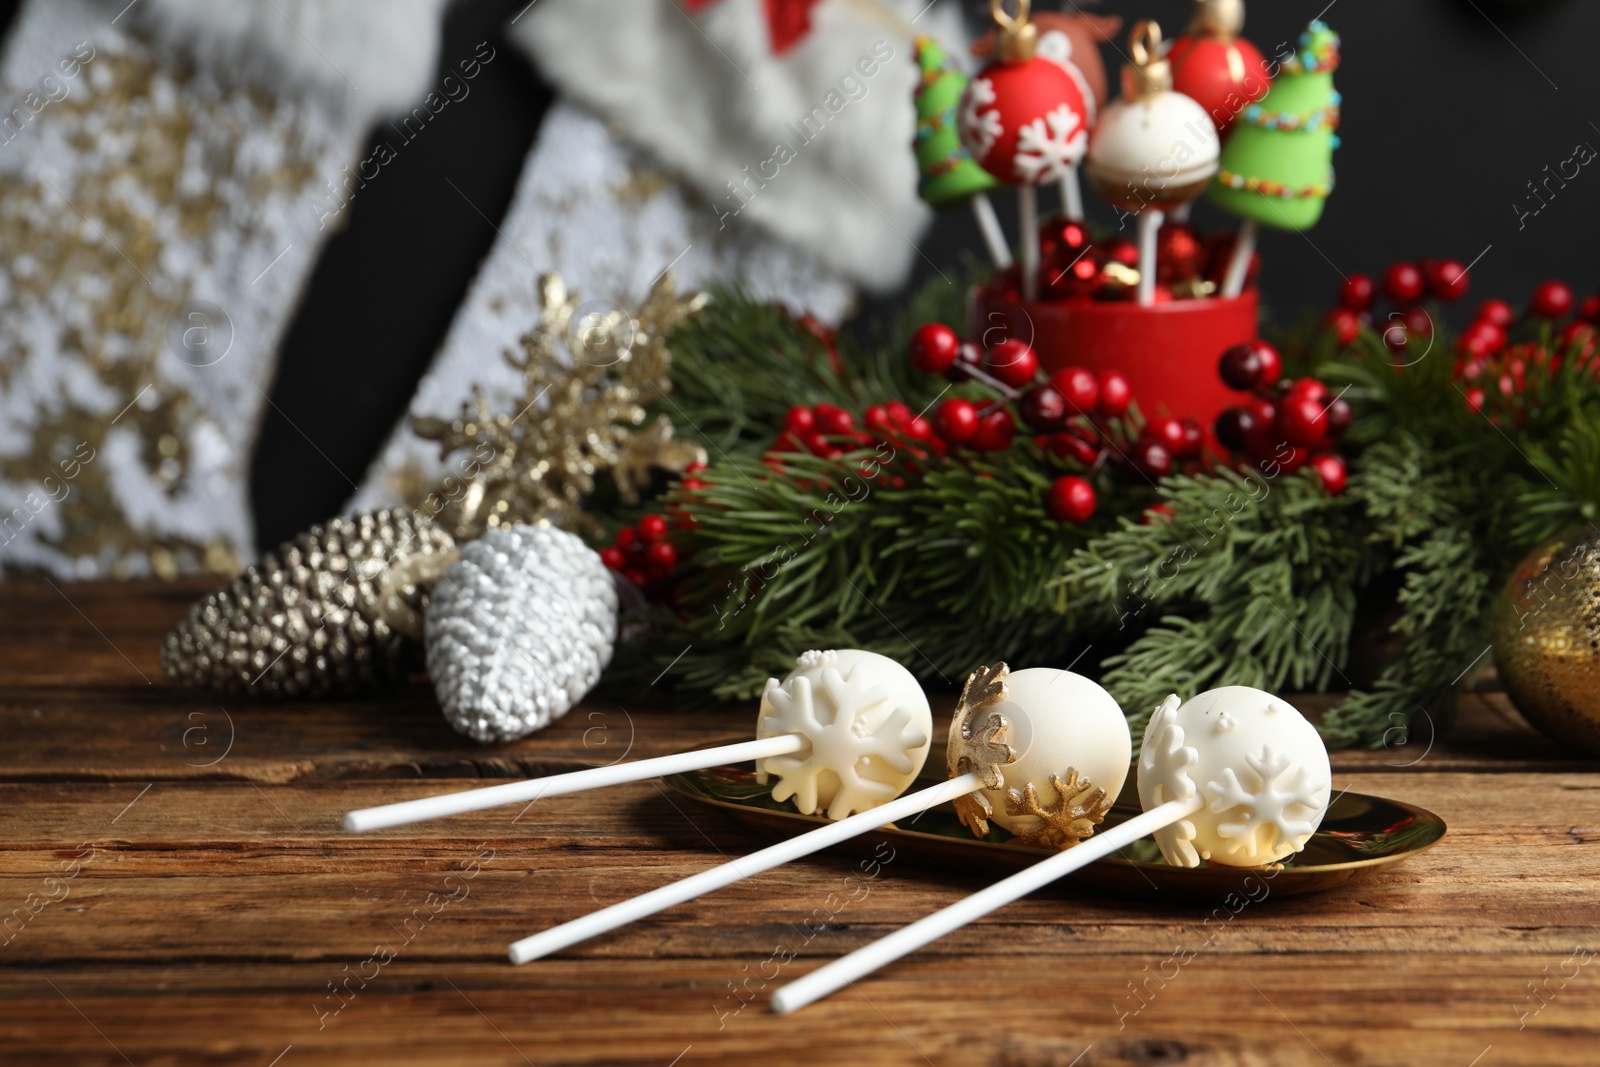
(1167, 351)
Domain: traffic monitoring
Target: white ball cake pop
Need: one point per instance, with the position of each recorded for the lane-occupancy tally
(868, 727)
(1071, 750)
(1259, 766)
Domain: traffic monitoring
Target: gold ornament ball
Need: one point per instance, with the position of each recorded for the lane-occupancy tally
(1547, 639)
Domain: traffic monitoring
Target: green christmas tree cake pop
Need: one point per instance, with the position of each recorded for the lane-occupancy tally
(949, 174)
(1277, 167)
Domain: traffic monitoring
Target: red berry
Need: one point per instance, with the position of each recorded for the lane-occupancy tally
(1013, 362)
(1330, 468)
(1403, 283)
(1193, 438)
(1071, 499)
(1168, 433)
(1475, 398)
(1589, 310)
(1482, 339)
(898, 412)
(637, 576)
(1271, 362)
(1552, 300)
(934, 348)
(1240, 368)
(968, 358)
(1079, 388)
(651, 528)
(1311, 387)
(1577, 333)
(1303, 420)
(1418, 322)
(692, 484)
(625, 537)
(1233, 428)
(800, 420)
(1070, 444)
(1356, 293)
(1153, 458)
(918, 428)
(612, 557)
(1447, 279)
(663, 555)
(1043, 408)
(877, 418)
(1157, 513)
(1395, 337)
(995, 432)
(1115, 394)
(956, 421)
(1343, 324)
(834, 421)
(1340, 415)
(1498, 312)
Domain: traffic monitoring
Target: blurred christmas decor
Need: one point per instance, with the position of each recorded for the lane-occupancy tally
(1547, 639)
(586, 381)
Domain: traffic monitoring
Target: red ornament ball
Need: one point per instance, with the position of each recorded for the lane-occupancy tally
(1078, 387)
(1063, 238)
(1403, 283)
(1222, 75)
(1071, 500)
(956, 421)
(1122, 250)
(1180, 254)
(1067, 277)
(995, 433)
(1115, 394)
(1498, 312)
(1013, 362)
(1552, 300)
(1447, 279)
(1356, 292)
(934, 348)
(1024, 122)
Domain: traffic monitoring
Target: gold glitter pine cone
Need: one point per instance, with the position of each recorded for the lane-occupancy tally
(335, 610)
(1547, 639)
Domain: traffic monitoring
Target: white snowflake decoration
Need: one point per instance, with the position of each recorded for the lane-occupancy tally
(1166, 761)
(1049, 147)
(1289, 811)
(980, 129)
(838, 769)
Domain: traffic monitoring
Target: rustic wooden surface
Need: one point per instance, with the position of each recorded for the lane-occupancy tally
(214, 905)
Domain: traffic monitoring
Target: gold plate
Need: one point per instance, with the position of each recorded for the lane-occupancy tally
(1359, 834)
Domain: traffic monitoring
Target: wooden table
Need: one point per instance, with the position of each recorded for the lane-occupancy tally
(176, 889)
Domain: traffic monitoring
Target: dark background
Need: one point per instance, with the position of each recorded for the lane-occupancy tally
(1451, 107)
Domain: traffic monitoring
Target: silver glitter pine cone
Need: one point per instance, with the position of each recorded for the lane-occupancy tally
(519, 630)
(336, 610)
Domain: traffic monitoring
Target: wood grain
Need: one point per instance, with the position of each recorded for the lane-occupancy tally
(216, 914)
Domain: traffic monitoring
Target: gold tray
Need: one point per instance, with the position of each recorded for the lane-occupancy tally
(1358, 835)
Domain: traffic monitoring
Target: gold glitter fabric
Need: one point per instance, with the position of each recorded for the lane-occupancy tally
(1547, 639)
(157, 224)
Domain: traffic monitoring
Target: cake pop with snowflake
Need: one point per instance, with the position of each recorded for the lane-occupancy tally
(867, 724)
(1254, 770)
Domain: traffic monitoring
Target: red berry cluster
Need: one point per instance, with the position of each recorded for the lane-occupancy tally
(642, 554)
(1075, 415)
(1491, 366)
(830, 431)
(1404, 285)
(1289, 424)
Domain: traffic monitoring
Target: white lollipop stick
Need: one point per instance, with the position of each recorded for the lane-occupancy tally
(1150, 221)
(410, 811)
(1028, 218)
(993, 235)
(570, 933)
(863, 961)
(1239, 264)
(1071, 195)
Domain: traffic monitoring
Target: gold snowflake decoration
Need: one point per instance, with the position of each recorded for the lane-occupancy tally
(1080, 806)
(979, 745)
(588, 376)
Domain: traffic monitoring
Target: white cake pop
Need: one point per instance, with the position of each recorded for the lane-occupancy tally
(1070, 750)
(868, 727)
(1259, 767)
